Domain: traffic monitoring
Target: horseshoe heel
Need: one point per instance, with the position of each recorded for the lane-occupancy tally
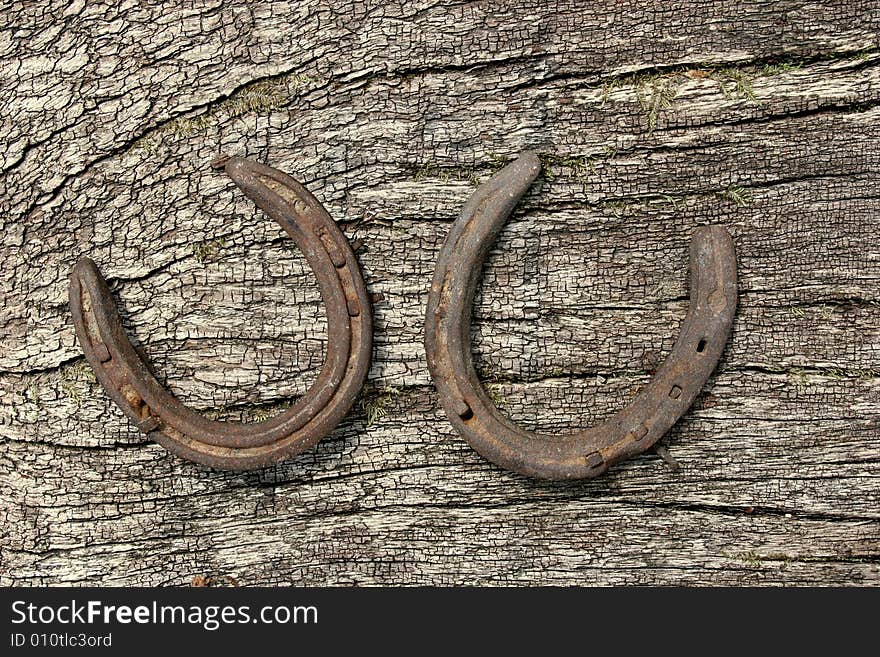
(634, 429)
(126, 375)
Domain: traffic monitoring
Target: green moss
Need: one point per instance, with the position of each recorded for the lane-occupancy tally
(218, 412)
(868, 373)
(753, 559)
(826, 312)
(781, 67)
(208, 250)
(257, 414)
(495, 392)
(749, 558)
(798, 376)
(257, 98)
(622, 208)
(432, 171)
(186, 127)
(656, 96)
(32, 394)
(376, 400)
(497, 162)
(249, 413)
(262, 412)
(836, 373)
(76, 380)
(841, 373)
(735, 83)
(655, 91)
(666, 201)
(736, 195)
(578, 167)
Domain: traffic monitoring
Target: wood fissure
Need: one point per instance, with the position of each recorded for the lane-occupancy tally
(761, 117)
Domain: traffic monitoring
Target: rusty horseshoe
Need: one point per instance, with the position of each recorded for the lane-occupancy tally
(127, 377)
(634, 429)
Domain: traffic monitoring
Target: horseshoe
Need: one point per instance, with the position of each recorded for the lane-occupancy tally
(126, 375)
(634, 429)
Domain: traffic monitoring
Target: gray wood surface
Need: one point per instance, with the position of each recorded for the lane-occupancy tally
(651, 119)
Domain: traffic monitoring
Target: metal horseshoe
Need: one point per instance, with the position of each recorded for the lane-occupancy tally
(634, 429)
(127, 378)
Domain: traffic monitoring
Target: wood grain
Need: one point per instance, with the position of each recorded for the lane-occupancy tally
(650, 120)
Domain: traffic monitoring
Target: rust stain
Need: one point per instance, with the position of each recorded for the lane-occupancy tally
(636, 428)
(126, 376)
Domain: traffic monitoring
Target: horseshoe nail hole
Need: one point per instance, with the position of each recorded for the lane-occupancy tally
(594, 460)
(701, 345)
(220, 161)
(149, 424)
(675, 393)
(463, 410)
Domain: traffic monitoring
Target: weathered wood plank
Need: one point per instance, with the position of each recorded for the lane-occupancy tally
(764, 117)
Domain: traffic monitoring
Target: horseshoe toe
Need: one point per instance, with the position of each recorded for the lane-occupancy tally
(126, 375)
(634, 429)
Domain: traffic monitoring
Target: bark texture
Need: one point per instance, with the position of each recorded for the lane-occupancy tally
(651, 119)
